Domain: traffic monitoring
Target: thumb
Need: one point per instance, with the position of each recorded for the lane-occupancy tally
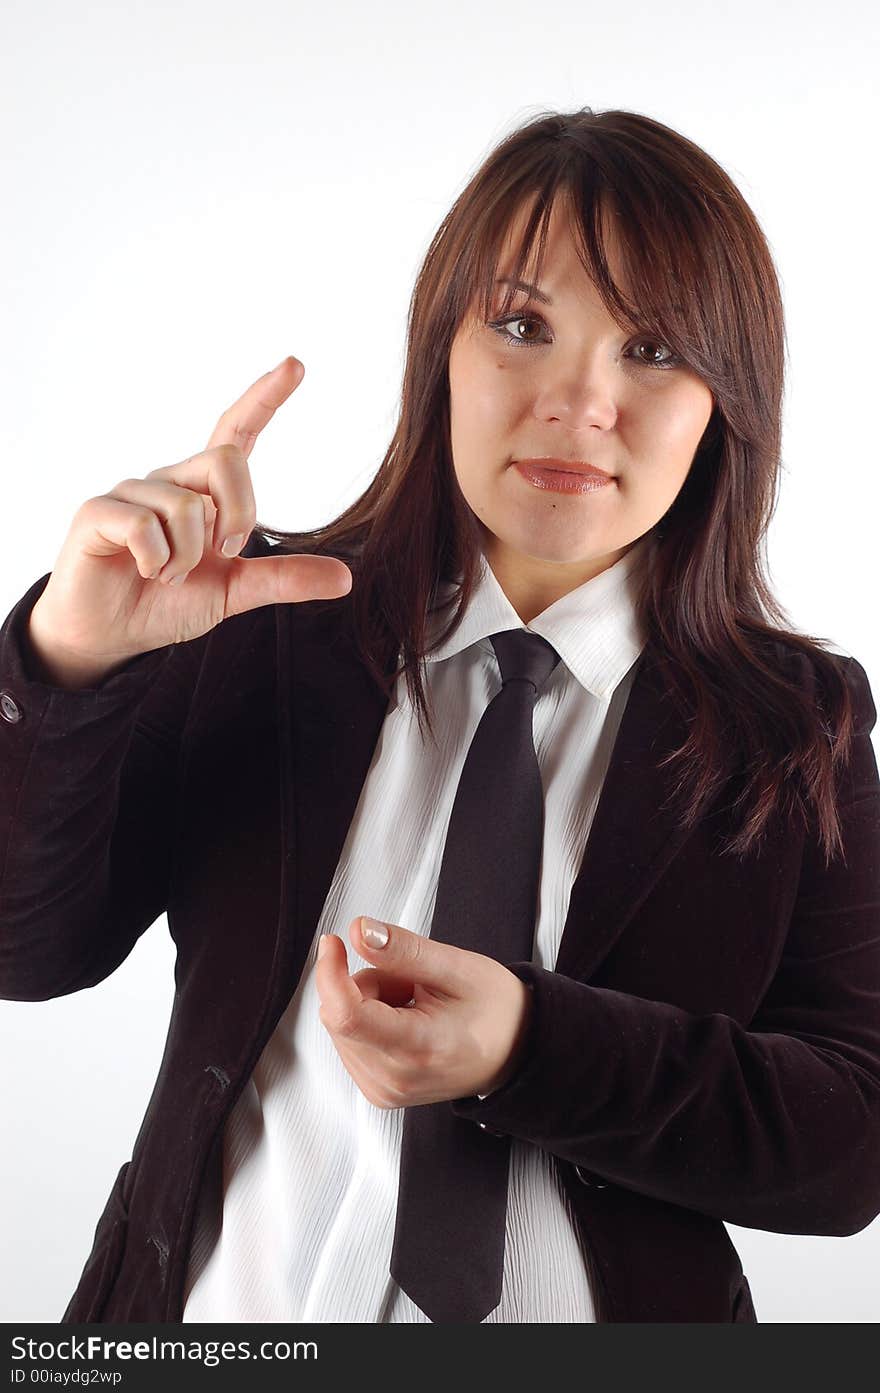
(271, 580)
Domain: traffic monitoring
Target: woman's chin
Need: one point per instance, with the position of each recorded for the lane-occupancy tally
(537, 544)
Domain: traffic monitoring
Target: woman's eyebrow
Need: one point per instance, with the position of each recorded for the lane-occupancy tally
(527, 287)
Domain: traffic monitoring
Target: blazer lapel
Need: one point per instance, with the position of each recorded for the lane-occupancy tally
(331, 713)
(634, 835)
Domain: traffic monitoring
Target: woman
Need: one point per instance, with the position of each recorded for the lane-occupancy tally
(585, 463)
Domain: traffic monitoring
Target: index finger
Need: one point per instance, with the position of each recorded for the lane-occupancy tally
(242, 422)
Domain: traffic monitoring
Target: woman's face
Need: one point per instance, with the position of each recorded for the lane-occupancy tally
(572, 385)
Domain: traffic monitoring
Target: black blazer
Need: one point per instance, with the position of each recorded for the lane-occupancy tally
(707, 1047)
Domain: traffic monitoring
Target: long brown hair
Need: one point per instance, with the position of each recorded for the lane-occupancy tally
(708, 289)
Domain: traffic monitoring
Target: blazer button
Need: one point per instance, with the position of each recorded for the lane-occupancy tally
(9, 708)
(588, 1178)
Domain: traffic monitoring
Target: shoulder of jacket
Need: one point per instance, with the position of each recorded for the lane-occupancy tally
(807, 669)
(864, 706)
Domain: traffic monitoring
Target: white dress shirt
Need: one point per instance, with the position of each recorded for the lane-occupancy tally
(303, 1228)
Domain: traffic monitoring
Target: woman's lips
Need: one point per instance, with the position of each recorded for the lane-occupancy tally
(563, 476)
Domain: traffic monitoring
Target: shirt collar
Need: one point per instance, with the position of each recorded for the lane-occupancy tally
(594, 628)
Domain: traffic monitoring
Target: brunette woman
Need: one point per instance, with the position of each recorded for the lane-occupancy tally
(267, 745)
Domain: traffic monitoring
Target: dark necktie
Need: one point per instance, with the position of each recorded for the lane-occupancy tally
(448, 1247)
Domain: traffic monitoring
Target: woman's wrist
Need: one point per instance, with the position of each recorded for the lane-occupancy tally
(515, 1058)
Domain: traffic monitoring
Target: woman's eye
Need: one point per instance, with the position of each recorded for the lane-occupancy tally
(667, 360)
(516, 319)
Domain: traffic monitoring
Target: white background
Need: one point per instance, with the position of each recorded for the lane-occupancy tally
(193, 190)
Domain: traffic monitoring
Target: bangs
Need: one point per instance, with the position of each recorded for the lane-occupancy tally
(655, 240)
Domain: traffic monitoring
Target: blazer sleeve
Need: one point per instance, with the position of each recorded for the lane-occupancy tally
(87, 799)
(772, 1125)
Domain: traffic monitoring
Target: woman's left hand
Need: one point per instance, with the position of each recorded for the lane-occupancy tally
(430, 1022)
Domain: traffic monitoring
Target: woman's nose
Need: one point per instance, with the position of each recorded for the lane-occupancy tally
(578, 392)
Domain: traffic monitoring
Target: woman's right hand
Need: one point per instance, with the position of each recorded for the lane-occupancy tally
(111, 596)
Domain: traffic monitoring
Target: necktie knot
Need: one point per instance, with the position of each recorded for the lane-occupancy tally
(524, 655)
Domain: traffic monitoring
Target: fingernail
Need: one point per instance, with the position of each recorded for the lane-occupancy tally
(375, 935)
(232, 545)
(322, 944)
